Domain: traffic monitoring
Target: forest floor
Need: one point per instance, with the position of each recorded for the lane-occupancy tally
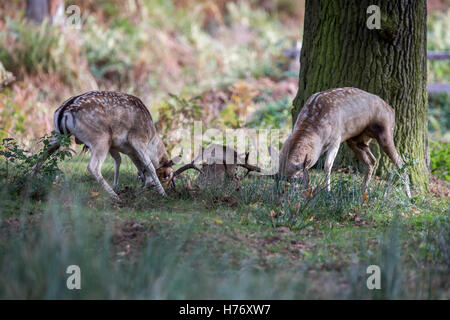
(224, 242)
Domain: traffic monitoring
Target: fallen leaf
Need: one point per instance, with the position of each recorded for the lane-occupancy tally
(95, 194)
(366, 198)
(273, 213)
(308, 192)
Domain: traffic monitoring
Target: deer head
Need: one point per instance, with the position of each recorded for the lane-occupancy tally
(218, 162)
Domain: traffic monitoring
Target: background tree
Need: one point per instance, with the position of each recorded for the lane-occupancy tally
(339, 50)
(38, 10)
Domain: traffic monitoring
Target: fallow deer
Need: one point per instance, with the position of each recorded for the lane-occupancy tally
(217, 162)
(331, 117)
(113, 122)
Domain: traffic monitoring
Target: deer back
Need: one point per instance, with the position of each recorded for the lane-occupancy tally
(114, 117)
(330, 116)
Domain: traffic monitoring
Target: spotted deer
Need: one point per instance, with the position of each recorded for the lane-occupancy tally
(113, 122)
(331, 117)
(217, 162)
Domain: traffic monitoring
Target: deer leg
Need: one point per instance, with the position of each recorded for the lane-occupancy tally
(155, 178)
(363, 153)
(117, 160)
(148, 164)
(95, 168)
(387, 144)
(331, 155)
(139, 167)
(373, 162)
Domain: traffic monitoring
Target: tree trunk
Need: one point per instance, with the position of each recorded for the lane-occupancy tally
(339, 50)
(38, 10)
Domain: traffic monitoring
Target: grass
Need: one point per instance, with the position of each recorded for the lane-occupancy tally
(222, 243)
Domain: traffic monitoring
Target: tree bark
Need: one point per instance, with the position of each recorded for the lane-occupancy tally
(38, 10)
(339, 50)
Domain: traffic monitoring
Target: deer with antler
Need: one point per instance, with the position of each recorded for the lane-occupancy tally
(217, 162)
(331, 117)
(113, 122)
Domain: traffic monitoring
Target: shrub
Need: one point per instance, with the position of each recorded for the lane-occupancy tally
(108, 55)
(16, 169)
(30, 49)
(174, 113)
(440, 159)
(275, 114)
(439, 112)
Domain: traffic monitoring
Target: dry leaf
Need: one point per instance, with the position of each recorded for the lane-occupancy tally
(366, 198)
(273, 213)
(308, 192)
(95, 194)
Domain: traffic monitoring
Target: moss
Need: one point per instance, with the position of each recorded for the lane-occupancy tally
(390, 25)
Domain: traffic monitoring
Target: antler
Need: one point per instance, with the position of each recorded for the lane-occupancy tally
(181, 170)
(225, 151)
(247, 166)
(305, 180)
(186, 167)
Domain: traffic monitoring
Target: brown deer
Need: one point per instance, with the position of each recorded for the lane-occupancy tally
(331, 117)
(113, 122)
(217, 162)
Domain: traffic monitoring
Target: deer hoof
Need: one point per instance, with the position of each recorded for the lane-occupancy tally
(116, 198)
